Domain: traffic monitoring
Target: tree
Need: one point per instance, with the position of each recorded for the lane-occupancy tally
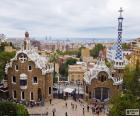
(64, 68)
(125, 46)
(79, 51)
(53, 58)
(4, 58)
(108, 64)
(13, 109)
(95, 51)
(130, 96)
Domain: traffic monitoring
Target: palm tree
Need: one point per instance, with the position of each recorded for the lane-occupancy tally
(53, 59)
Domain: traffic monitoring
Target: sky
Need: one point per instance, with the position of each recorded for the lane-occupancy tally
(69, 18)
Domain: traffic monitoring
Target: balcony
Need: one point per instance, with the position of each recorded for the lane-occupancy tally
(23, 81)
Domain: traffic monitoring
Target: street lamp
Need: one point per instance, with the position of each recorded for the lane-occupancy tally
(78, 83)
(58, 90)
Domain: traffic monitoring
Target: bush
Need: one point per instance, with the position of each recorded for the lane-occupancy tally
(12, 109)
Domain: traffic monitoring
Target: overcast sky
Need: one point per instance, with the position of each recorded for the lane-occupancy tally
(69, 18)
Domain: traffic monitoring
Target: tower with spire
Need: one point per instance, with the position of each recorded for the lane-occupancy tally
(26, 41)
(119, 58)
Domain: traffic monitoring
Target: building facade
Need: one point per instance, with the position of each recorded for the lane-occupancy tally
(29, 75)
(76, 73)
(135, 57)
(101, 83)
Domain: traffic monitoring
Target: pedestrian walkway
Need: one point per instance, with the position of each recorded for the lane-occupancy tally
(62, 107)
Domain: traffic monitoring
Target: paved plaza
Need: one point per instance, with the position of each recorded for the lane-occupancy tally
(61, 108)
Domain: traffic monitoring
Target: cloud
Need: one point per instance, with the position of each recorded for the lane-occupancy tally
(68, 18)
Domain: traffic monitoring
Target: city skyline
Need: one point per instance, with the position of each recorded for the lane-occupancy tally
(65, 19)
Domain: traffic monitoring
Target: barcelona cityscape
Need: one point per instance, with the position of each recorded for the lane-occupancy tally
(69, 58)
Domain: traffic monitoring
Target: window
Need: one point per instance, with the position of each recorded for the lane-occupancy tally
(13, 79)
(112, 75)
(35, 80)
(50, 91)
(14, 94)
(22, 58)
(30, 67)
(16, 67)
(22, 95)
(31, 96)
(23, 82)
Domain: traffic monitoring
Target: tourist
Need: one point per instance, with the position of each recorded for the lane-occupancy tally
(54, 110)
(66, 104)
(66, 114)
(50, 101)
(83, 110)
(76, 107)
(73, 106)
(88, 108)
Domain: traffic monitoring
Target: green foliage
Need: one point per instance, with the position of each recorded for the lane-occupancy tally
(59, 52)
(95, 51)
(71, 52)
(125, 46)
(5, 44)
(123, 102)
(131, 94)
(53, 58)
(64, 68)
(4, 58)
(108, 64)
(13, 109)
(79, 51)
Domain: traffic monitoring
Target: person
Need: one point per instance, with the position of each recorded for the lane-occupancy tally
(88, 108)
(66, 114)
(47, 113)
(73, 106)
(83, 111)
(66, 104)
(54, 110)
(50, 101)
(76, 107)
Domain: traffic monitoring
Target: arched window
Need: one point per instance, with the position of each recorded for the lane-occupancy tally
(102, 76)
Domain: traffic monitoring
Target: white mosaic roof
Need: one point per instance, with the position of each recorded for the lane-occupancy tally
(40, 61)
(100, 66)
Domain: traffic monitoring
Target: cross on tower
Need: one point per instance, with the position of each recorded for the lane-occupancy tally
(121, 10)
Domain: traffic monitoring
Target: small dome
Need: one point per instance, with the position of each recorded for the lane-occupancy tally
(26, 34)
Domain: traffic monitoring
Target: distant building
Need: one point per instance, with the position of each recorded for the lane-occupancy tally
(85, 55)
(29, 75)
(76, 73)
(9, 49)
(85, 52)
(135, 57)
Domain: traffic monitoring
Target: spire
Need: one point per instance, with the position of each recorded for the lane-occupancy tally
(26, 41)
(119, 55)
(119, 59)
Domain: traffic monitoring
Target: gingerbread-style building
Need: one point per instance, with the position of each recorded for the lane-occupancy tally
(29, 75)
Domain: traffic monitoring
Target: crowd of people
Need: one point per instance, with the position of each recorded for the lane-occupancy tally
(95, 108)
